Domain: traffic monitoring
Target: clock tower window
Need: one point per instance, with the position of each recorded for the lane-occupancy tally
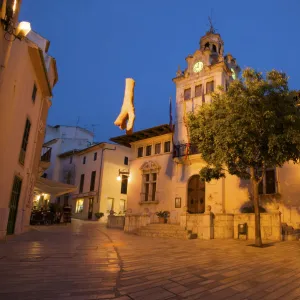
(187, 94)
(210, 87)
(198, 90)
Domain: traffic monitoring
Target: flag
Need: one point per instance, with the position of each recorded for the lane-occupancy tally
(170, 114)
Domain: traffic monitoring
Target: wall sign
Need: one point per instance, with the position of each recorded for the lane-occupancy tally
(178, 202)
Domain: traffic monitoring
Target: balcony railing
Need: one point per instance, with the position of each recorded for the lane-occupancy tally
(46, 154)
(183, 150)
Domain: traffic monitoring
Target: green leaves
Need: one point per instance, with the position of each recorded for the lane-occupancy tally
(255, 123)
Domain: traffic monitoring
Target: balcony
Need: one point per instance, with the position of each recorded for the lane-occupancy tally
(46, 154)
(45, 160)
(181, 150)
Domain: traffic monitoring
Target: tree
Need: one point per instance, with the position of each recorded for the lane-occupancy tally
(255, 124)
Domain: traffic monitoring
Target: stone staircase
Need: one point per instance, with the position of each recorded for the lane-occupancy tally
(166, 231)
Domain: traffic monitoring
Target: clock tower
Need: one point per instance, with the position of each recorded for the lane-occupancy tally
(206, 69)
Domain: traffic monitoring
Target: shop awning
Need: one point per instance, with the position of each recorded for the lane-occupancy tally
(54, 188)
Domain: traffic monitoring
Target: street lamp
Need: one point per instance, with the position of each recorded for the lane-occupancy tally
(8, 19)
(20, 32)
(123, 172)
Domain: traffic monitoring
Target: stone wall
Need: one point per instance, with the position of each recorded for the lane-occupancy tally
(115, 222)
(201, 224)
(223, 226)
(270, 225)
(133, 222)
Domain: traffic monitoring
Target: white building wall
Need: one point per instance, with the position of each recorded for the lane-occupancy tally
(110, 188)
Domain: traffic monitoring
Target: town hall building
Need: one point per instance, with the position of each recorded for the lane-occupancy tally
(165, 167)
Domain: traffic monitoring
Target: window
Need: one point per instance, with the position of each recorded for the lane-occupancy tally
(110, 204)
(34, 90)
(226, 86)
(149, 186)
(24, 142)
(148, 150)
(124, 184)
(198, 90)
(95, 156)
(122, 206)
(157, 148)
(187, 94)
(140, 152)
(167, 147)
(93, 177)
(79, 206)
(84, 160)
(71, 159)
(66, 199)
(81, 183)
(58, 200)
(125, 160)
(209, 87)
(268, 184)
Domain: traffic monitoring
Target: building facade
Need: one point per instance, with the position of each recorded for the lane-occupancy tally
(166, 177)
(62, 139)
(101, 174)
(28, 75)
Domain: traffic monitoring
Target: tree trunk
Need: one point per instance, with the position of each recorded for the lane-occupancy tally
(258, 241)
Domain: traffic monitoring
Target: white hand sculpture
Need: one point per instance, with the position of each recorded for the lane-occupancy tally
(127, 114)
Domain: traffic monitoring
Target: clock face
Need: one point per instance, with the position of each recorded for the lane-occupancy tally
(233, 74)
(198, 66)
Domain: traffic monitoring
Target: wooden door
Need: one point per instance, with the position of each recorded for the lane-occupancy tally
(13, 205)
(196, 195)
(90, 211)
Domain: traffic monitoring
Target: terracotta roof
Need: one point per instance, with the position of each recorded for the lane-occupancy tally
(126, 140)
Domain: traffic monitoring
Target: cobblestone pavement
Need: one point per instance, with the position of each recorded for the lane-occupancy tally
(84, 260)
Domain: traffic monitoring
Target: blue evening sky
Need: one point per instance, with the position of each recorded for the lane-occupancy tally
(98, 43)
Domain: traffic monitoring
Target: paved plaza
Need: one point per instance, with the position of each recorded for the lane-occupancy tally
(84, 260)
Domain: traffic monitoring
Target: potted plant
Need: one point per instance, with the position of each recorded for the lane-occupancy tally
(99, 215)
(163, 216)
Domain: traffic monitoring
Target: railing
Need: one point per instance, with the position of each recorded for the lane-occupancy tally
(183, 149)
(46, 154)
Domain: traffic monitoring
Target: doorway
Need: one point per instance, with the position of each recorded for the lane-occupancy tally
(196, 195)
(13, 205)
(90, 211)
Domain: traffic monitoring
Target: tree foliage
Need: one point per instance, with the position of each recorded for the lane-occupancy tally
(256, 123)
(252, 126)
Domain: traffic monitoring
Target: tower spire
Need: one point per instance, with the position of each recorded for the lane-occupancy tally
(212, 29)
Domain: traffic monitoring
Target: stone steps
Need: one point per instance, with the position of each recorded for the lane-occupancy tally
(166, 231)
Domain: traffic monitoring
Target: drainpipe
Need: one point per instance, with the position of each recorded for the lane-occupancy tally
(101, 172)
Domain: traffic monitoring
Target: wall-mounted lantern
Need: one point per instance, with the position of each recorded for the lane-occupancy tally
(8, 20)
(123, 172)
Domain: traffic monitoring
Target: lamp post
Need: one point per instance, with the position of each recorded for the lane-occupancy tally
(8, 19)
(123, 172)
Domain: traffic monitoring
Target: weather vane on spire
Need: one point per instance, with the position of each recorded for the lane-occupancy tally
(212, 29)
